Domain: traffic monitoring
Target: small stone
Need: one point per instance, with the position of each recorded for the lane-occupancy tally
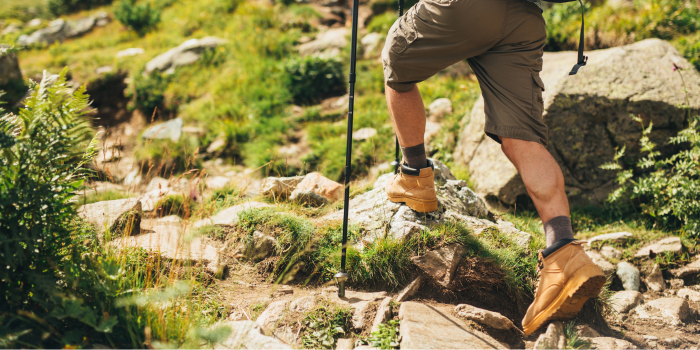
(345, 344)
(553, 338)
(317, 184)
(272, 314)
(441, 264)
(669, 244)
(610, 253)
(629, 275)
(625, 301)
(689, 294)
(260, 248)
(216, 182)
(611, 343)
(130, 52)
(384, 313)
(248, 335)
(598, 259)
(667, 310)
(616, 236)
(171, 130)
(410, 290)
(364, 134)
(439, 108)
(688, 270)
(650, 337)
(303, 304)
(279, 187)
(676, 283)
(585, 330)
(485, 317)
(655, 280)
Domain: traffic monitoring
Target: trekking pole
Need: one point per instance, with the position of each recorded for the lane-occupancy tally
(341, 276)
(395, 163)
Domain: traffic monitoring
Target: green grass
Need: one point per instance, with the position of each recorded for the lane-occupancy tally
(94, 197)
(324, 325)
(387, 337)
(572, 339)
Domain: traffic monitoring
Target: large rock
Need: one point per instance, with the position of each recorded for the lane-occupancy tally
(279, 187)
(441, 264)
(376, 215)
(687, 270)
(316, 189)
(273, 313)
(384, 314)
(669, 244)
(615, 236)
(611, 343)
(625, 301)
(117, 216)
(432, 327)
(172, 130)
(655, 280)
(588, 117)
(553, 338)
(248, 335)
(607, 267)
(60, 30)
(362, 305)
(629, 275)
(169, 240)
(326, 44)
(667, 310)
(689, 294)
(485, 317)
(185, 54)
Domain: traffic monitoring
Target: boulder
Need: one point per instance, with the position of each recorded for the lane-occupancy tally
(625, 301)
(598, 259)
(115, 215)
(588, 117)
(59, 30)
(441, 264)
(669, 244)
(689, 294)
(672, 311)
(364, 134)
(610, 253)
(687, 270)
(316, 189)
(362, 305)
(273, 313)
(611, 343)
(384, 314)
(169, 240)
(248, 335)
(327, 44)
(629, 275)
(676, 283)
(410, 290)
(655, 280)
(485, 317)
(279, 187)
(185, 54)
(553, 338)
(172, 130)
(303, 304)
(615, 236)
(259, 248)
(432, 327)
(439, 108)
(229, 216)
(134, 51)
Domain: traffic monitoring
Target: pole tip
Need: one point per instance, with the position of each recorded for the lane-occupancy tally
(341, 277)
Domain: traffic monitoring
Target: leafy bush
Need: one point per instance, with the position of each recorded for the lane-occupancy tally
(689, 47)
(311, 79)
(670, 193)
(387, 337)
(324, 325)
(382, 23)
(141, 18)
(62, 7)
(175, 204)
(147, 93)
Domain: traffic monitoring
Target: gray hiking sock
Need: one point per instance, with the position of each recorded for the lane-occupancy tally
(558, 228)
(415, 156)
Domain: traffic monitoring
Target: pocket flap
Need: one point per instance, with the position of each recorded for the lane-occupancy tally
(539, 82)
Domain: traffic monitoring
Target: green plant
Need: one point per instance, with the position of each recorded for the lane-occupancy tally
(140, 18)
(62, 7)
(572, 339)
(94, 197)
(387, 337)
(311, 79)
(147, 93)
(382, 23)
(324, 325)
(670, 193)
(175, 204)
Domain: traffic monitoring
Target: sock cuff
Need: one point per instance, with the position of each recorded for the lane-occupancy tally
(558, 228)
(413, 151)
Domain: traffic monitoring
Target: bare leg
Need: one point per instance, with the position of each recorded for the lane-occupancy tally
(541, 174)
(408, 115)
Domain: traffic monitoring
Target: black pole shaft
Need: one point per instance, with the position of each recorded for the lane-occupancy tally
(348, 150)
(398, 147)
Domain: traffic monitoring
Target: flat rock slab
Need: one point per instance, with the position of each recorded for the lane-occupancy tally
(169, 240)
(360, 303)
(272, 314)
(610, 343)
(485, 317)
(229, 216)
(667, 310)
(689, 294)
(108, 214)
(430, 327)
(687, 270)
(615, 236)
(441, 264)
(248, 335)
(669, 244)
(625, 301)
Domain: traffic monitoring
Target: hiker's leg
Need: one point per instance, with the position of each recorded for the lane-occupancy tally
(541, 174)
(408, 115)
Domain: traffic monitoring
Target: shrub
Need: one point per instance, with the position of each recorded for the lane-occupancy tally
(311, 79)
(175, 204)
(61, 7)
(147, 93)
(382, 23)
(141, 18)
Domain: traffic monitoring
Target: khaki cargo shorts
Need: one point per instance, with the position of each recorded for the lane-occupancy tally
(502, 40)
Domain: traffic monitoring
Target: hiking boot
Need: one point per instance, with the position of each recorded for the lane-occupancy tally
(568, 277)
(414, 187)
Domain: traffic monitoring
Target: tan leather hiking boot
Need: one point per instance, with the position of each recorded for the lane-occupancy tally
(414, 187)
(568, 277)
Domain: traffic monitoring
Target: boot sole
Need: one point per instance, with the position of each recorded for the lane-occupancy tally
(419, 206)
(586, 283)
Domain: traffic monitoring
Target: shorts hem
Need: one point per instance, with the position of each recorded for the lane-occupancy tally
(401, 87)
(495, 131)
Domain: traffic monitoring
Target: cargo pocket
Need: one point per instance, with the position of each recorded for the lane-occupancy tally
(403, 32)
(537, 100)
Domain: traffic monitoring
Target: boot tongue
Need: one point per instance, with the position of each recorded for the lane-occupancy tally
(556, 246)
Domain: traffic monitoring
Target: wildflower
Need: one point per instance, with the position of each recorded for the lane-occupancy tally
(677, 67)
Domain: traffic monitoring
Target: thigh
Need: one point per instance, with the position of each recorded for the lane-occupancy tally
(508, 74)
(435, 34)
